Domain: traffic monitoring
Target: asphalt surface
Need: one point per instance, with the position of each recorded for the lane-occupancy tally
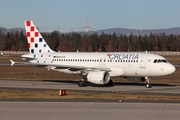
(72, 86)
(88, 110)
(21, 109)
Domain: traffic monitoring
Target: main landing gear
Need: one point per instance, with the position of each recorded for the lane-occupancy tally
(81, 83)
(148, 85)
(110, 83)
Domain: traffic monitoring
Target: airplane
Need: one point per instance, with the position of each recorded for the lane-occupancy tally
(95, 67)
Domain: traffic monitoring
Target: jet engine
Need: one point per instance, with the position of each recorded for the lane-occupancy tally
(97, 77)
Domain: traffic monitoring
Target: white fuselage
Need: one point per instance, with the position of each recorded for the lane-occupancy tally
(116, 63)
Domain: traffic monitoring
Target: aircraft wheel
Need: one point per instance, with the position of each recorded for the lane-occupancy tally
(81, 84)
(148, 86)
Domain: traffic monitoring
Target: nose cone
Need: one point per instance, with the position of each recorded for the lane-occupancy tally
(171, 69)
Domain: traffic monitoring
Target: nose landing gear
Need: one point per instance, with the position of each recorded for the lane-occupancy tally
(148, 85)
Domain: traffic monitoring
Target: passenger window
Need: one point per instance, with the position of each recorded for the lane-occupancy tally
(155, 61)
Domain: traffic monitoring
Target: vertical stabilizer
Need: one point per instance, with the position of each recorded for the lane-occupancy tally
(36, 42)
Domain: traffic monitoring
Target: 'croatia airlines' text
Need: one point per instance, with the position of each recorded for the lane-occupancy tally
(123, 56)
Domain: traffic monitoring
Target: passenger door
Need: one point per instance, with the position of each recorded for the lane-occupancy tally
(143, 62)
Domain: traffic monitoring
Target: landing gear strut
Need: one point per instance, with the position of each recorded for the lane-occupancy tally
(147, 80)
(81, 83)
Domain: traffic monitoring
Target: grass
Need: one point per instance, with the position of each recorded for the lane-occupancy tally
(54, 94)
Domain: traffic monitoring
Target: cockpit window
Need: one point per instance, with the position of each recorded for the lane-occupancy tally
(160, 61)
(164, 61)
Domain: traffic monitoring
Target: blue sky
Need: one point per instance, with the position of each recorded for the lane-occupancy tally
(101, 14)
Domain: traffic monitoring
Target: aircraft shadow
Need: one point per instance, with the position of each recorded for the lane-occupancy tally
(114, 84)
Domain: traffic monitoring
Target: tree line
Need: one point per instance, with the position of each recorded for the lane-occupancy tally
(69, 42)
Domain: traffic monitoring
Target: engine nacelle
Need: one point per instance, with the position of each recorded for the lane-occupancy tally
(98, 77)
(136, 79)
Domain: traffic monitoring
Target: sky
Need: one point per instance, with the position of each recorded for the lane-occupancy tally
(71, 15)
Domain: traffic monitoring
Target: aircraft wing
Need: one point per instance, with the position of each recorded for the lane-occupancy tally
(59, 66)
(77, 68)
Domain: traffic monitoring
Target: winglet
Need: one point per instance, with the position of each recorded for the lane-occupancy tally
(12, 62)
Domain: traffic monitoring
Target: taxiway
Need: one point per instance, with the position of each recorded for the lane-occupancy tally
(72, 86)
(88, 110)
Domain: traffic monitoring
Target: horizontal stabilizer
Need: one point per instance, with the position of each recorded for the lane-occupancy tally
(12, 62)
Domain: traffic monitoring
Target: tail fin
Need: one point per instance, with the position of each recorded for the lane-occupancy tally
(36, 42)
